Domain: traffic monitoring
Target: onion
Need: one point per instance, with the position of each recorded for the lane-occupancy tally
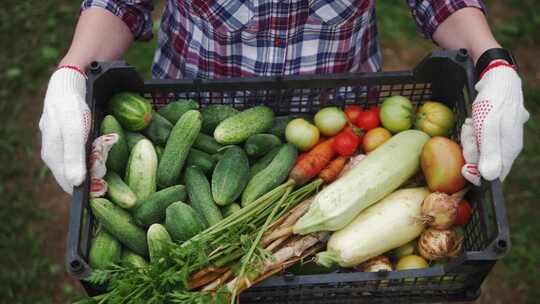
(439, 210)
(378, 263)
(439, 244)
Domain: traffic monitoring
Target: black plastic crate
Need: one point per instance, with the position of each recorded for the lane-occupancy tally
(442, 76)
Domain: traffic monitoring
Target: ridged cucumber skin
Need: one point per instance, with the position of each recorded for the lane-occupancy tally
(259, 144)
(120, 224)
(151, 210)
(142, 169)
(241, 126)
(207, 144)
(182, 222)
(174, 110)
(230, 176)
(201, 159)
(271, 176)
(158, 130)
(130, 258)
(104, 251)
(132, 111)
(263, 162)
(132, 138)
(158, 238)
(176, 151)
(119, 153)
(214, 114)
(119, 192)
(230, 209)
(200, 196)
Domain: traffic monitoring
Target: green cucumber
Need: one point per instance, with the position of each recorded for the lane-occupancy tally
(133, 112)
(120, 224)
(239, 127)
(200, 159)
(259, 144)
(207, 144)
(214, 114)
(230, 209)
(182, 222)
(104, 251)
(152, 209)
(132, 138)
(230, 176)
(141, 169)
(119, 153)
(200, 196)
(183, 134)
(174, 110)
(130, 258)
(271, 176)
(119, 192)
(158, 238)
(263, 162)
(158, 130)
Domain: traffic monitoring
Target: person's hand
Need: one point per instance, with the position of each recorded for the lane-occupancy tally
(493, 138)
(64, 125)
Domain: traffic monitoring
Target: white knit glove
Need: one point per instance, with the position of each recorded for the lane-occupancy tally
(494, 137)
(64, 125)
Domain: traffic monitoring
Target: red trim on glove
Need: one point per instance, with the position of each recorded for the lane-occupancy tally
(72, 67)
(494, 64)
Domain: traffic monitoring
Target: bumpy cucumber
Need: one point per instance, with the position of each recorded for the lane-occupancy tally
(263, 162)
(119, 153)
(214, 114)
(174, 110)
(158, 130)
(142, 168)
(201, 159)
(239, 127)
(157, 237)
(230, 176)
(200, 195)
(182, 222)
(259, 144)
(104, 251)
(152, 209)
(119, 192)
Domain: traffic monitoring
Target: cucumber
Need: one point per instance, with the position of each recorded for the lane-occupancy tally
(158, 238)
(218, 156)
(182, 222)
(152, 209)
(159, 152)
(200, 196)
(119, 153)
(158, 130)
(133, 112)
(230, 176)
(200, 159)
(119, 224)
(271, 176)
(257, 145)
(230, 209)
(119, 192)
(214, 114)
(141, 169)
(207, 144)
(130, 258)
(280, 124)
(182, 136)
(174, 110)
(263, 162)
(132, 138)
(239, 127)
(104, 251)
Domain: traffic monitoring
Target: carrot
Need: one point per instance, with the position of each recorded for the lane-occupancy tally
(332, 171)
(313, 162)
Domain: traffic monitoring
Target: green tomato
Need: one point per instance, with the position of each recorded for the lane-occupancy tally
(435, 119)
(411, 262)
(330, 120)
(302, 134)
(397, 114)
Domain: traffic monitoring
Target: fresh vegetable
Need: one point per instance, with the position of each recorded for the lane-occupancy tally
(158, 238)
(200, 196)
(214, 114)
(397, 114)
(182, 222)
(159, 152)
(141, 169)
(176, 151)
(374, 138)
(257, 145)
(379, 263)
(333, 170)
(230, 209)
(158, 130)
(442, 160)
(132, 138)
(377, 175)
(119, 192)
(240, 127)
(130, 258)
(230, 176)
(302, 134)
(330, 120)
(119, 224)
(411, 262)
(378, 229)
(174, 110)
(376, 110)
(152, 209)
(439, 244)
(132, 111)
(368, 120)
(271, 176)
(200, 159)
(435, 119)
(404, 250)
(463, 214)
(207, 143)
(346, 142)
(313, 162)
(263, 162)
(104, 251)
(119, 153)
(352, 113)
(439, 210)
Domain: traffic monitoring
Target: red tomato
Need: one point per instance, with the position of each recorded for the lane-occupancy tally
(375, 109)
(352, 113)
(368, 120)
(463, 213)
(346, 142)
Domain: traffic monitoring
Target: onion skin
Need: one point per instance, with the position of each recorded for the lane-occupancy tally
(439, 211)
(379, 263)
(437, 245)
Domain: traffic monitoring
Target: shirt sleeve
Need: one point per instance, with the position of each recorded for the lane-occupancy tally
(430, 14)
(136, 14)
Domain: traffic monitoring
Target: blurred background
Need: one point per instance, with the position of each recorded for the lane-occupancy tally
(34, 211)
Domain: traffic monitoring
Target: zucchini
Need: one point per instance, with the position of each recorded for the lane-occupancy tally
(200, 159)
(104, 251)
(130, 258)
(158, 130)
(230, 209)
(230, 176)
(141, 169)
(132, 138)
(239, 127)
(182, 222)
(200, 196)
(214, 114)
(158, 238)
(152, 209)
(174, 110)
(182, 136)
(377, 175)
(271, 176)
(207, 144)
(120, 224)
(119, 192)
(257, 145)
(119, 153)
(131, 110)
(263, 162)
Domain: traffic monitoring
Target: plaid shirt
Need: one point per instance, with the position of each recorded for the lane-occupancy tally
(234, 38)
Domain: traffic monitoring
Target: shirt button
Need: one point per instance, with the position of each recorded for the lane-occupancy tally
(279, 42)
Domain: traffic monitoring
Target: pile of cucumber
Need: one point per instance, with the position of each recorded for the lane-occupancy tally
(179, 170)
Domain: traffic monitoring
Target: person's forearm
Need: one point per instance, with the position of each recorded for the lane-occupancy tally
(99, 36)
(467, 28)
